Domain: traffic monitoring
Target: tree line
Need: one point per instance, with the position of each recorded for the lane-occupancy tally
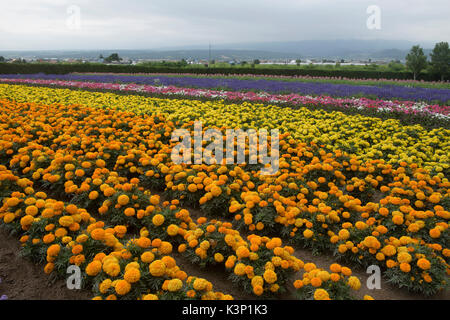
(439, 63)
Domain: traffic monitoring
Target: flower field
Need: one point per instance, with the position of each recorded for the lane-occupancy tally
(383, 91)
(86, 179)
(405, 110)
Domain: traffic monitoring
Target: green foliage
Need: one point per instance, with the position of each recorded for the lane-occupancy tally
(440, 59)
(176, 67)
(416, 60)
(113, 57)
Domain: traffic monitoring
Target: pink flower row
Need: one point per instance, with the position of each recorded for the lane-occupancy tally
(407, 107)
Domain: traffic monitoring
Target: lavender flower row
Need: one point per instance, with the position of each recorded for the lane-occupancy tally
(365, 81)
(387, 92)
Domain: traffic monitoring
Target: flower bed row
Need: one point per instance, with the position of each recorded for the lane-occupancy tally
(367, 137)
(319, 199)
(381, 106)
(131, 267)
(114, 265)
(337, 80)
(387, 92)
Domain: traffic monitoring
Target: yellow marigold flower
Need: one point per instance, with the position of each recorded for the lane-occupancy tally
(111, 269)
(324, 275)
(98, 234)
(49, 267)
(123, 199)
(93, 268)
(309, 266)
(336, 268)
(158, 220)
(122, 287)
(405, 267)
(132, 275)
(239, 269)
(435, 233)
(66, 221)
(144, 242)
(258, 290)
(165, 247)
(12, 202)
(169, 262)
(354, 283)
(316, 282)
(31, 210)
(389, 250)
(242, 252)
(104, 286)
(343, 234)
(270, 276)
(423, 264)
(404, 257)
(147, 257)
(157, 268)
(9, 217)
(321, 294)
(346, 271)
(257, 280)
(175, 285)
(26, 220)
(172, 230)
(218, 257)
(53, 250)
(308, 233)
(200, 284)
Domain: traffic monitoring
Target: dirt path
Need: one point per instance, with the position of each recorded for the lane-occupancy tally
(24, 280)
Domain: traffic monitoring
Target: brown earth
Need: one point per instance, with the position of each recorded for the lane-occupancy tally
(24, 280)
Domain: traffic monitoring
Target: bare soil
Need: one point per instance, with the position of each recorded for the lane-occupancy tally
(24, 280)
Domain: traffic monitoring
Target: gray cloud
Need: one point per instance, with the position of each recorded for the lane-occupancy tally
(139, 24)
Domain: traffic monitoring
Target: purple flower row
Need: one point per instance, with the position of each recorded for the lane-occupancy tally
(386, 92)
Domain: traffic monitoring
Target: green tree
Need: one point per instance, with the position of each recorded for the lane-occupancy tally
(298, 61)
(440, 59)
(396, 65)
(113, 57)
(416, 60)
(256, 61)
(2, 59)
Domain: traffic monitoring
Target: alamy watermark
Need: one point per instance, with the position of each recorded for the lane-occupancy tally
(374, 280)
(213, 153)
(374, 20)
(73, 281)
(73, 21)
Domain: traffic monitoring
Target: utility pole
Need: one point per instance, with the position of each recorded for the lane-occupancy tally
(209, 61)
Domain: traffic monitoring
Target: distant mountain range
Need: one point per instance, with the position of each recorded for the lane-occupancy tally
(307, 49)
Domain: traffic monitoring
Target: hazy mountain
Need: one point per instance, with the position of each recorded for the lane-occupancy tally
(331, 49)
(325, 48)
(222, 55)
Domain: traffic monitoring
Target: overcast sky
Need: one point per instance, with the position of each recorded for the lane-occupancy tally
(141, 24)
